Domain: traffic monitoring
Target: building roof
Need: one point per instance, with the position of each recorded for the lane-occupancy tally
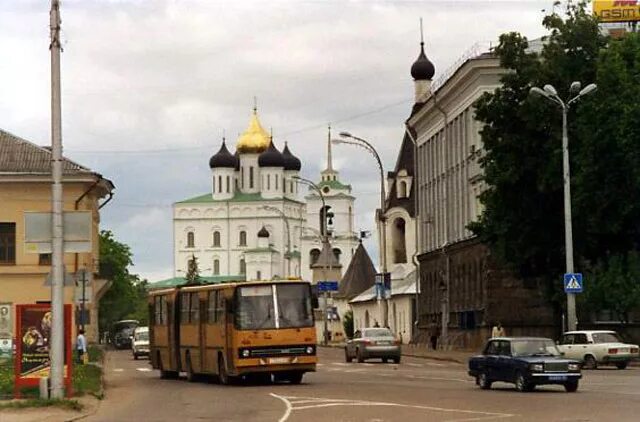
(333, 184)
(17, 155)
(326, 258)
(291, 162)
(271, 157)
(237, 197)
(359, 276)
(405, 286)
(405, 161)
(180, 281)
(422, 69)
(254, 139)
(223, 158)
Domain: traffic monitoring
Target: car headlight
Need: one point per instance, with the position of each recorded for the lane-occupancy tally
(310, 350)
(574, 367)
(245, 353)
(537, 367)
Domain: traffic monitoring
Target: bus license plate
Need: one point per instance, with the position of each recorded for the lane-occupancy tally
(279, 360)
(557, 378)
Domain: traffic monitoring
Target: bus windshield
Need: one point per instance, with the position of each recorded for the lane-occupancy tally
(257, 307)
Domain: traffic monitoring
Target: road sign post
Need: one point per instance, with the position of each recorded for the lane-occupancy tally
(573, 283)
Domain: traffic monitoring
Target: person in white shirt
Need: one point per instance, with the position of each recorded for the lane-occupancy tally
(497, 331)
(81, 346)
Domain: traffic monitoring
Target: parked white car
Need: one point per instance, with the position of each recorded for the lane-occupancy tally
(140, 342)
(595, 348)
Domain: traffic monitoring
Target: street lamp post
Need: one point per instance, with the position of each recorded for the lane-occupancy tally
(550, 93)
(325, 241)
(286, 223)
(362, 143)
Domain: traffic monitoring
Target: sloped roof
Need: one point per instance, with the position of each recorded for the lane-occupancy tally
(359, 276)
(179, 281)
(18, 155)
(405, 286)
(405, 161)
(237, 197)
(326, 258)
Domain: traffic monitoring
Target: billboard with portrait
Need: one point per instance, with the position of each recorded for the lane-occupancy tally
(617, 10)
(33, 336)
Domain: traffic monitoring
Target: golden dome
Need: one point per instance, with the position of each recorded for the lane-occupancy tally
(255, 139)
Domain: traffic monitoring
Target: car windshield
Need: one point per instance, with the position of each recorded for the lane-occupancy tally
(534, 347)
(256, 308)
(378, 332)
(606, 338)
(143, 336)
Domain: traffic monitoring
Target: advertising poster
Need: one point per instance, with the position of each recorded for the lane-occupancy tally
(617, 10)
(33, 334)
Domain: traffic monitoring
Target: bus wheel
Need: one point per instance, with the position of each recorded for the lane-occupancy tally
(295, 377)
(223, 376)
(191, 376)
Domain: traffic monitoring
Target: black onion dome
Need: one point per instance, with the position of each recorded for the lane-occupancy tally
(422, 69)
(271, 157)
(263, 232)
(291, 162)
(223, 158)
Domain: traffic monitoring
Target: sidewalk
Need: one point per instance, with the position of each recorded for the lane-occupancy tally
(51, 414)
(422, 351)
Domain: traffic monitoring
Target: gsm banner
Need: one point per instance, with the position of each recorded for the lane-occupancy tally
(617, 10)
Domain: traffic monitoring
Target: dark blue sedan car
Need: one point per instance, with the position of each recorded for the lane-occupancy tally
(526, 362)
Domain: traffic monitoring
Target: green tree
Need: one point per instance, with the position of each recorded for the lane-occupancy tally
(614, 286)
(127, 296)
(523, 221)
(193, 272)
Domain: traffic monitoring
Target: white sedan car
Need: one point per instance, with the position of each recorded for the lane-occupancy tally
(597, 348)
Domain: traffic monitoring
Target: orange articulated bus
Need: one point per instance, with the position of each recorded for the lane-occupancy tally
(233, 330)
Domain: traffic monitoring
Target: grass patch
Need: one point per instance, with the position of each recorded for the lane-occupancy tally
(87, 380)
(95, 354)
(6, 378)
(31, 403)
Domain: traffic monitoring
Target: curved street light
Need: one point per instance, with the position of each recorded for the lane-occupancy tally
(551, 94)
(363, 143)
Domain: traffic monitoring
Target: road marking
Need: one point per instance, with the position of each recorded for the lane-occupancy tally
(340, 364)
(417, 365)
(319, 402)
(144, 369)
(118, 370)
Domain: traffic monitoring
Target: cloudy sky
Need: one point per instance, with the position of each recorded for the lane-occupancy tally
(149, 87)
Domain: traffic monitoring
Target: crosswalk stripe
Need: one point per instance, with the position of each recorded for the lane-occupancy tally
(144, 369)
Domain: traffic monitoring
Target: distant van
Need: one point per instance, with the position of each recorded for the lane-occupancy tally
(140, 342)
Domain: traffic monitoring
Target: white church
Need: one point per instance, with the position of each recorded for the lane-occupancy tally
(252, 224)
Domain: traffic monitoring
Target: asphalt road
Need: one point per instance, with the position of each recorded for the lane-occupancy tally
(415, 390)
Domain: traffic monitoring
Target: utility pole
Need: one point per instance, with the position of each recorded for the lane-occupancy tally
(56, 343)
(84, 298)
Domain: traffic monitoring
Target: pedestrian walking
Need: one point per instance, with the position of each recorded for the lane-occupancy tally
(498, 331)
(81, 347)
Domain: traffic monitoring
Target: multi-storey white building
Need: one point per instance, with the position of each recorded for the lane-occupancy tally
(250, 225)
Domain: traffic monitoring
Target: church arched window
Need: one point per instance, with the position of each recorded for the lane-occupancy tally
(228, 184)
(314, 254)
(251, 177)
(243, 266)
(337, 252)
(398, 240)
(402, 189)
(216, 267)
(216, 239)
(220, 184)
(191, 240)
(242, 238)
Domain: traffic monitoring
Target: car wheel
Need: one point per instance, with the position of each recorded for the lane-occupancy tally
(396, 359)
(347, 358)
(359, 356)
(571, 387)
(590, 362)
(483, 381)
(521, 383)
(622, 365)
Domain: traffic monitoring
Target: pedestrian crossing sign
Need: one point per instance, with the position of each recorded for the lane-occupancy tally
(573, 283)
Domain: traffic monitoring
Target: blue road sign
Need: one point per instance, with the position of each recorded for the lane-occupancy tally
(327, 286)
(573, 283)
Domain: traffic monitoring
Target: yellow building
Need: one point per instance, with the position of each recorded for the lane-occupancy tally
(25, 185)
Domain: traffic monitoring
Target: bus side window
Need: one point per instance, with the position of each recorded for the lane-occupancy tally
(220, 307)
(211, 306)
(184, 308)
(194, 308)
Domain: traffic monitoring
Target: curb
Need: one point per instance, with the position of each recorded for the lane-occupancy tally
(408, 354)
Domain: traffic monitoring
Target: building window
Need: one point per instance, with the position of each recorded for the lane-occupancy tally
(291, 187)
(337, 252)
(211, 306)
(402, 190)
(398, 240)
(44, 259)
(220, 184)
(228, 184)
(216, 267)
(314, 254)
(194, 308)
(7, 243)
(268, 181)
(258, 275)
(243, 238)
(216, 239)
(251, 177)
(213, 184)
(191, 242)
(276, 182)
(243, 266)
(242, 177)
